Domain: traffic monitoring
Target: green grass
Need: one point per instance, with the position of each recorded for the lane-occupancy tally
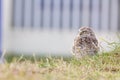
(105, 66)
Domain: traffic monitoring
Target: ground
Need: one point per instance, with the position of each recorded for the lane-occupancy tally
(105, 66)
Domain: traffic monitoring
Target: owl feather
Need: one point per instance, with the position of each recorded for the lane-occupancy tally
(85, 43)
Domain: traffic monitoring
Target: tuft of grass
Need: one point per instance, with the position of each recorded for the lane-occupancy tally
(104, 66)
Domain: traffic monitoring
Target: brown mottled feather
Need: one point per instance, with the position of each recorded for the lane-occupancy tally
(85, 43)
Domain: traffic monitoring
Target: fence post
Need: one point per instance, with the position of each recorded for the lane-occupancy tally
(0, 28)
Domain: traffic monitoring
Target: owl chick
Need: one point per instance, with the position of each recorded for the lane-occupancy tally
(85, 43)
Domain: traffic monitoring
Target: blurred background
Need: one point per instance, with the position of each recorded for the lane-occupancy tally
(50, 26)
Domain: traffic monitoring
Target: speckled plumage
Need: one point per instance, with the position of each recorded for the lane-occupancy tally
(85, 43)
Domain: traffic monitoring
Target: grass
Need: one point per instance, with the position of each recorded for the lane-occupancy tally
(105, 66)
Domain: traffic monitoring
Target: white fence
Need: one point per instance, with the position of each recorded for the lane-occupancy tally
(0, 29)
(49, 26)
(66, 14)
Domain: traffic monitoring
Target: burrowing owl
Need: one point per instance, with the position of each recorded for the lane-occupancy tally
(85, 43)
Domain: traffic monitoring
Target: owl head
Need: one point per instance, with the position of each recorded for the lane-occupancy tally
(86, 31)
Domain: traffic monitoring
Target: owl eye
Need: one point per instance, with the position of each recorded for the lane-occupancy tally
(83, 32)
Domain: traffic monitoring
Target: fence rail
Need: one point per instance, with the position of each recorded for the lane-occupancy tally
(70, 14)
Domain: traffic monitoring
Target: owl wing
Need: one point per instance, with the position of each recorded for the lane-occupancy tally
(95, 41)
